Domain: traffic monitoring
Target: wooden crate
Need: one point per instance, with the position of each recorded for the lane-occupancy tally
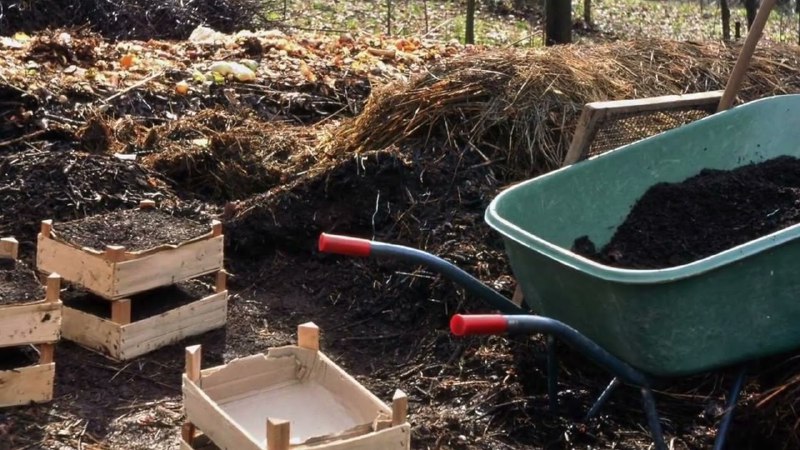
(116, 273)
(24, 385)
(30, 322)
(34, 322)
(120, 339)
(293, 397)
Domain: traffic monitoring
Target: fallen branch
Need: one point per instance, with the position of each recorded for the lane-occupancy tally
(24, 138)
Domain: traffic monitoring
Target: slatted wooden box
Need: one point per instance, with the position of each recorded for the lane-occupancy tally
(115, 273)
(29, 322)
(292, 397)
(120, 336)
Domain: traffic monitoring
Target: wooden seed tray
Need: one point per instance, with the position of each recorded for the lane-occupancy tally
(37, 322)
(116, 273)
(120, 339)
(293, 397)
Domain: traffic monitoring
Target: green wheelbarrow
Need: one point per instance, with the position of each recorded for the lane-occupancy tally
(722, 311)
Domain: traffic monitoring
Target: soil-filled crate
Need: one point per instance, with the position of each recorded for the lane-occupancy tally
(30, 324)
(29, 312)
(24, 378)
(292, 397)
(118, 254)
(126, 328)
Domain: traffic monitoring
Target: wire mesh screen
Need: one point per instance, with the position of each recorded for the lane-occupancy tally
(622, 129)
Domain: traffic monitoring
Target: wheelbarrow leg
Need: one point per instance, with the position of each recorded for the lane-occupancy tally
(733, 398)
(653, 421)
(603, 398)
(552, 374)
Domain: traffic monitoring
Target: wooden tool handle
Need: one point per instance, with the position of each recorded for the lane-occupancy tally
(753, 36)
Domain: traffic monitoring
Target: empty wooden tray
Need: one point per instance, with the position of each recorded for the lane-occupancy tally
(293, 397)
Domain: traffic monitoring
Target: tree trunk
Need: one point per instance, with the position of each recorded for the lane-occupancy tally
(389, 17)
(470, 25)
(558, 29)
(587, 12)
(751, 6)
(427, 22)
(726, 20)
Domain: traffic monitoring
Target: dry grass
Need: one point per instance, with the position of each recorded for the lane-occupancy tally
(521, 106)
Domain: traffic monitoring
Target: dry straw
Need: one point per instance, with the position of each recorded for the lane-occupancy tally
(521, 106)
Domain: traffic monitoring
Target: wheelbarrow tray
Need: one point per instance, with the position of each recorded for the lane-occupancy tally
(740, 304)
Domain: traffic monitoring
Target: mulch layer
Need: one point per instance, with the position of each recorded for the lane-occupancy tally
(678, 223)
(134, 229)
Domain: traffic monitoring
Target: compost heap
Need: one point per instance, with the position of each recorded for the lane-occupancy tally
(678, 223)
(95, 126)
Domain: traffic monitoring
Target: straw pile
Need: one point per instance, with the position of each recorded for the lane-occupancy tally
(223, 156)
(521, 107)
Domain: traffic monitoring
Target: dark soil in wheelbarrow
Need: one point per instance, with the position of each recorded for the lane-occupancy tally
(678, 223)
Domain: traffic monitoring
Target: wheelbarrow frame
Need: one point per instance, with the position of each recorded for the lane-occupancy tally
(517, 319)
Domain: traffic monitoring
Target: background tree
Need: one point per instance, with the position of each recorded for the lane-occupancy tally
(558, 17)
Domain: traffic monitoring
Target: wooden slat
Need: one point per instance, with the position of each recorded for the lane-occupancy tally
(27, 384)
(168, 267)
(247, 374)
(91, 331)
(146, 335)
(662, 103)
(76, 266)
(30, 324)
(395, 438)
(213, 421)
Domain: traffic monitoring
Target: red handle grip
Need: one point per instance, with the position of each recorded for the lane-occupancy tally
(344, 245)
(465, 325)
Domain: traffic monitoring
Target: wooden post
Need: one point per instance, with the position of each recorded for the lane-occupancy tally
(222, 281)
(114, 253)
(216, 228)
(52, 294)
(53, 288)
(278, 434)
(194, 357)
(399, 408)
(121, 311)
(9, 248)
(46, 228)
(308, 336)
(147, 204)
(188, 431)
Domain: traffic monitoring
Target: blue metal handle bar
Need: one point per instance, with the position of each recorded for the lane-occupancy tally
(473, 324)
